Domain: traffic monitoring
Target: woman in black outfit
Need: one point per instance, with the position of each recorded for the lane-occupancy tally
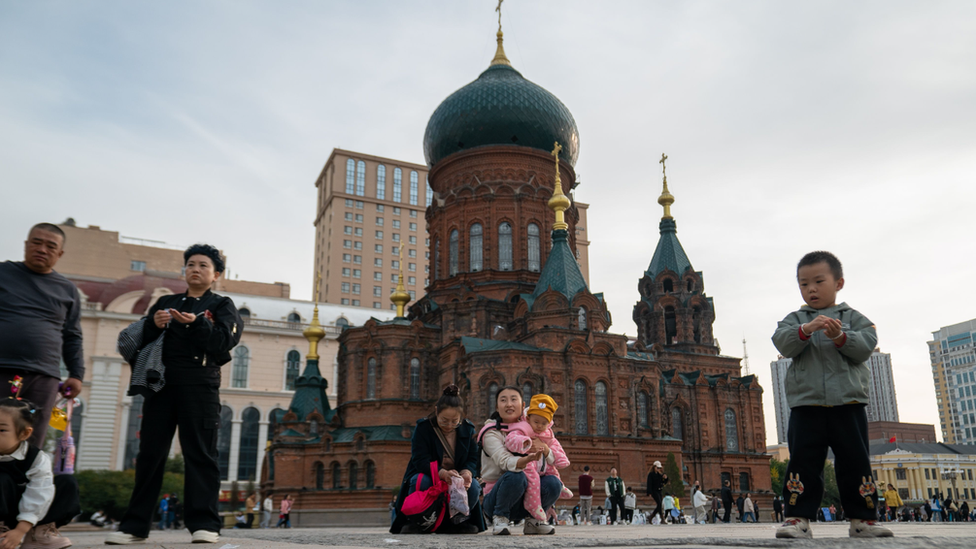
(655, 484)
(457, 458)
(200, 328)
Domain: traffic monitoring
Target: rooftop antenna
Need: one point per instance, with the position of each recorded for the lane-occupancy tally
(745, 358)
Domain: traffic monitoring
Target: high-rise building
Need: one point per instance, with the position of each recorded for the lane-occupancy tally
(953, 358)
(779, 367)
(882, 405)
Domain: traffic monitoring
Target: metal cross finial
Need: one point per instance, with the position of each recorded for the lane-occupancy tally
(664, 167)
(499, 10)
(556, 149)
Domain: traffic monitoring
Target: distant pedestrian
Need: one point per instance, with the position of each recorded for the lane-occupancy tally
(630, 503)
(586, 496)
(392, 510)
(893, 501)
(936, 509)
(827, 391)
(175, 512)
(669, 512)
(740, 504)
(267, 507)
(715, 508)
(656, 479)
(777, 509)
(40, 326)
(284, 518)
(699, 500)
(727, 501)
(748, 509)
(164, 512)
(251, 505)
(615, 489)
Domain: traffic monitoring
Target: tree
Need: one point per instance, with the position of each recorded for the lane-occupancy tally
(110, 490)
(675, 485)
(777, 472)
(175, 464)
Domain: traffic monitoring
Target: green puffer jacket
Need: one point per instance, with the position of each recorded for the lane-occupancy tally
(821, 373)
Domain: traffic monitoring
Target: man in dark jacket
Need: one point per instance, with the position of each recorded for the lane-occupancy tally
(40, 325)
(727, 500)
(740, 504)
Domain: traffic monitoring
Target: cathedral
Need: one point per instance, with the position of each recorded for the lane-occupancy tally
(508, 305)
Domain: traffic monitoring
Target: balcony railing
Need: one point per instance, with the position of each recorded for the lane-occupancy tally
(285, 325)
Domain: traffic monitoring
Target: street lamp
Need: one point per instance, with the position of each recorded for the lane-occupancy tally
(951, 475)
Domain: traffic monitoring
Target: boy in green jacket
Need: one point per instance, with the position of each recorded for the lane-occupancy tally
(827, 390)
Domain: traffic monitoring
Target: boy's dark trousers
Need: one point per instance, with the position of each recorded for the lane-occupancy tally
(195, 409)
(844, 429)
(64, 507)
(616, 505)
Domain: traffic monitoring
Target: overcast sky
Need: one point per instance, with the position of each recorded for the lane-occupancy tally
(789, 127)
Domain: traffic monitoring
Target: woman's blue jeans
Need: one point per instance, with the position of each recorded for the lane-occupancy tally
(505, 498)
(474, 491)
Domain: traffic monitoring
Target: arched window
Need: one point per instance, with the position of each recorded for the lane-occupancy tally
(241, 359)
(397, 184)
(582, 318)
(527, 392)
(668, 286)
(353, 475)
(370, 475)
(731, 431)
(453, 253)
(670, 325)
(414, 378)
(361, 178)
(294, 318)
(535, 250)
(643, 418)
(292, 365)
(413, 188)
(744, 482)
(350, 176)
(677, 427)
(273, 418)
(247, 461)
(475, 248)
(505, 247)
(430, 193)
(336, 476)
(602, 421)
(319, 475)
(381, 182)
(696, 315)
(245, 313)
(579, 400)
(492, 396)
(437, 258)
(132, 432)
(691, 284)
(342, 322)
(371, 378)
(223, 441)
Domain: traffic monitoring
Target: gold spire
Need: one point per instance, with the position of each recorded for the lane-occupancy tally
(400, 297)
(666, 199)
(314, 332)
(559, 202)
(500, 58)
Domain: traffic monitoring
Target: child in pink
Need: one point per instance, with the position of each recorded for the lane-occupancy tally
(537, 425)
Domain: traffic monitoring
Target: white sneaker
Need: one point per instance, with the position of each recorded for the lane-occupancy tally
(121, 538)
(795, 527)
(868, 529)
(205, 536)
(536, 527)
(499, 526)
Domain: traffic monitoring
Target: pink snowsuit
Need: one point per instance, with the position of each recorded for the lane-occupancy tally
(519, 441)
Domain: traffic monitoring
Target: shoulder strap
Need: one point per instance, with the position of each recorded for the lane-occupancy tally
(447, 446)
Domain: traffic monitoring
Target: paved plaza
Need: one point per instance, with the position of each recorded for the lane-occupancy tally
(908, 535)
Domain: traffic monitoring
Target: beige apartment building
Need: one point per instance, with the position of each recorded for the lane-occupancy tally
(368, 208)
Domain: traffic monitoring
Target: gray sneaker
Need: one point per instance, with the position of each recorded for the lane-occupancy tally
(121, 538)
(499, 526)
(536, 527)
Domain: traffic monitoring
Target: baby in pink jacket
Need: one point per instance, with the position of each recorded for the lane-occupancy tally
(538, 425)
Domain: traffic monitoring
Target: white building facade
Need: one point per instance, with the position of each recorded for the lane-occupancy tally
(953, 356)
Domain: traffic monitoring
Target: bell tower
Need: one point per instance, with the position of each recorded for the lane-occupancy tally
(673, 310)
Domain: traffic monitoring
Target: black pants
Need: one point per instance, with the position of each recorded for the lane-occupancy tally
(41, 390)
(727, 505)
(658, 507)
(629, 515)
(844, 429)
(195, 409)
(615, 504)
(64, 507)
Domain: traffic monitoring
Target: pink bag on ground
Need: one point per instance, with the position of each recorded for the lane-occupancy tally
(427, 508)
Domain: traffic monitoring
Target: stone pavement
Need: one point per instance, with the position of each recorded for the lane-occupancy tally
(908, 535)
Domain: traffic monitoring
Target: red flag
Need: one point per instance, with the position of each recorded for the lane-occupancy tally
(892, 439)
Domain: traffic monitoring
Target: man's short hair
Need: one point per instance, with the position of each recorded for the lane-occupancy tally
(830, 259)
(51, 228)
(207, 250)
(586, 469)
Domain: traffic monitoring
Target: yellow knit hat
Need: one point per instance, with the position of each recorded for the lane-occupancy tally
(542, 405)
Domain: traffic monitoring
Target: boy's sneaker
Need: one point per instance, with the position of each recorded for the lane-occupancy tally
(869, 529)
(121, 538)
(536, 527)
(499, 526)
(45, 536)
(205, 536)
(795, 527)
